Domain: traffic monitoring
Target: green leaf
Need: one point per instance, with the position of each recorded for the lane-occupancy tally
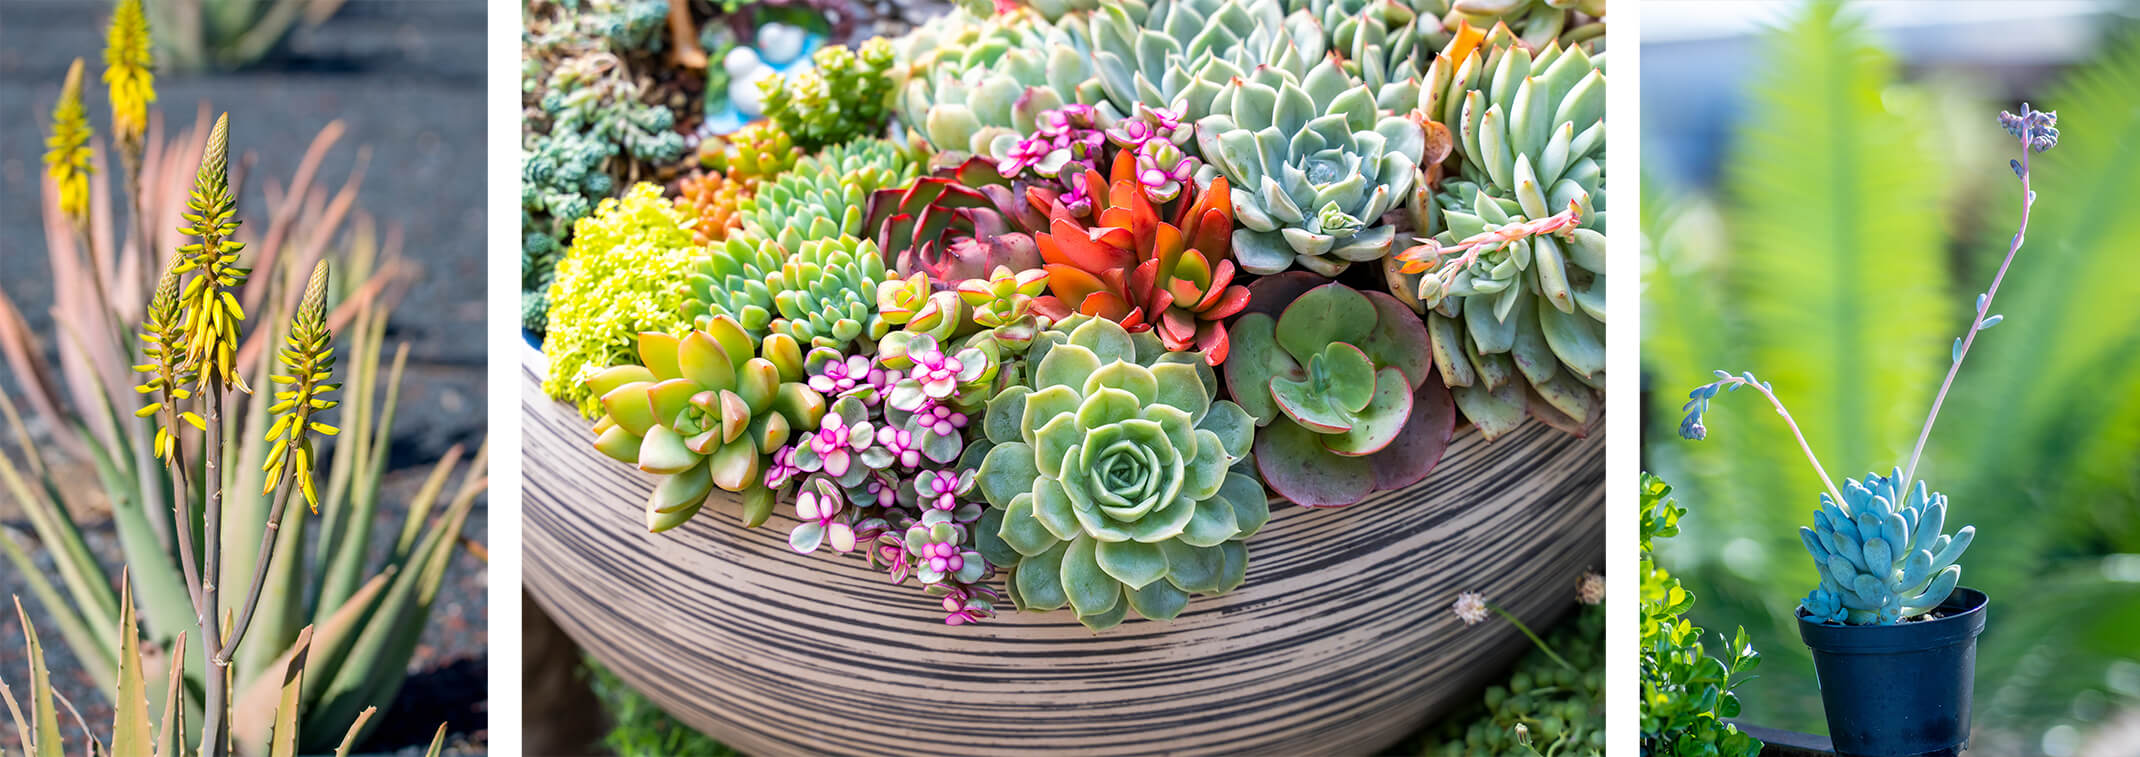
(1090, 589)
(283, 742)
(132, 733)
(1135, 564)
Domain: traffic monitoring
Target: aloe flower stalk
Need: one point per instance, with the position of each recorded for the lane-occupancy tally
(162, 343)
(129, 61)
(212, 313)
(67, 149)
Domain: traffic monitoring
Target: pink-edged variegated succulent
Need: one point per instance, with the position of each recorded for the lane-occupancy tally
(1339, 382)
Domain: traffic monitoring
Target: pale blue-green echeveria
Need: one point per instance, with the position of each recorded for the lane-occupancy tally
(975, 86)
(1385, 43)
(1531, 144)
(1180, 53)
(1881, 556)
(1314, 165)
(705, 411)
(1109, 479)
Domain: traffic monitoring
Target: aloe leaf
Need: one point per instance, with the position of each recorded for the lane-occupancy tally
(132, 734)
(375, 668)
(72, 627)
(421, 505)
(171, 739)
(349, 740)
(282, 740)
(345, 557)
(438, 742)
(78, 569)
(43, 732)
(281, 613)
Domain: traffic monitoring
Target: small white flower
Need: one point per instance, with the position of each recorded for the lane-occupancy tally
(1590, 589)
(1471, 607)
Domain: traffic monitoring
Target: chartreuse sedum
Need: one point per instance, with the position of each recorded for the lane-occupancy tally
(1109, 480)
(1530, 145)
(705, 411)
(1314, 164)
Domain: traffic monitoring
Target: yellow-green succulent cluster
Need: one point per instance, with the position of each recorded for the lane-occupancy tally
(624, 274)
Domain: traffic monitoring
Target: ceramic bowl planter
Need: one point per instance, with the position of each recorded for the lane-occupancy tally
(1900, 690)
(1341, 641)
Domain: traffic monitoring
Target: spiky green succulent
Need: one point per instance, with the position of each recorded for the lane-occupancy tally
(705, 411)
(976, 86)
(1535, 22)
(1180, 53)
(1531, 143)
(827, 194)
(1108, 479)
(1314, 164)
(823, 294)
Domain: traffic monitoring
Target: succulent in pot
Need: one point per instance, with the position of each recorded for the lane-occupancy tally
(1340, 384)
(1169, 272)
(1893, 635)
(1109, 479)
(1314, 164)
(705, 411)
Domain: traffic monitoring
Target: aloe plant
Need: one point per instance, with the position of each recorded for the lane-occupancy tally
(368, 615)
(228, 34)
(133, 733)
(1800, 293)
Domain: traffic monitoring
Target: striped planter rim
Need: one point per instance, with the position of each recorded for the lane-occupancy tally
(1340, 642)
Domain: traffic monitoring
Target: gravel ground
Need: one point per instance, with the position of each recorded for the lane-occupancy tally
(406, 77)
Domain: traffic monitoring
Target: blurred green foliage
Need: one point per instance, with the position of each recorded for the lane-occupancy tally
(1829, 263)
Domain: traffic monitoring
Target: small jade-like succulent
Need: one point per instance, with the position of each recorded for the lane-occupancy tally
(1004, 304)
(1314, 163)
(843, 96)
(1109, 479)
(950, 230)
(1170, 273)
(919, 305)
(974, 86)
(1339, 381)
(706, 411)
(712, 201)
(1880, 552)
(759, 150)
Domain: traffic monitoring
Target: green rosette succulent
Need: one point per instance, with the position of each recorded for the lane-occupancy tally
(1314, 165)
(705, 412)
(977, 86)
(1181, 53)
(1109, 479)
(827, 194)
(1341, 387)
(1531, 145)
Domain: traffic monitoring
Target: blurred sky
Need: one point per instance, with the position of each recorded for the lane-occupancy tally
(1701, 53)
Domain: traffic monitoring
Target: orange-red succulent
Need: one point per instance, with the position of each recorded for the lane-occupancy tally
(1170, 273)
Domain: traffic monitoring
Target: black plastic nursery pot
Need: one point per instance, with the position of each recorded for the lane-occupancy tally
(1901, 690)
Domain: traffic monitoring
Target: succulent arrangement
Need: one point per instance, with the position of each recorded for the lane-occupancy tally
(1051, 302)
(1879, 543)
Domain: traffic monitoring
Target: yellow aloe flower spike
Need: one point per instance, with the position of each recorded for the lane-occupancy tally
(308, 354)
(67, 148)
(128, 61)
(212, 313)
(167, 377)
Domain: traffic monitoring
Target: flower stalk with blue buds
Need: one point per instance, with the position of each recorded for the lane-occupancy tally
(1877, 542)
